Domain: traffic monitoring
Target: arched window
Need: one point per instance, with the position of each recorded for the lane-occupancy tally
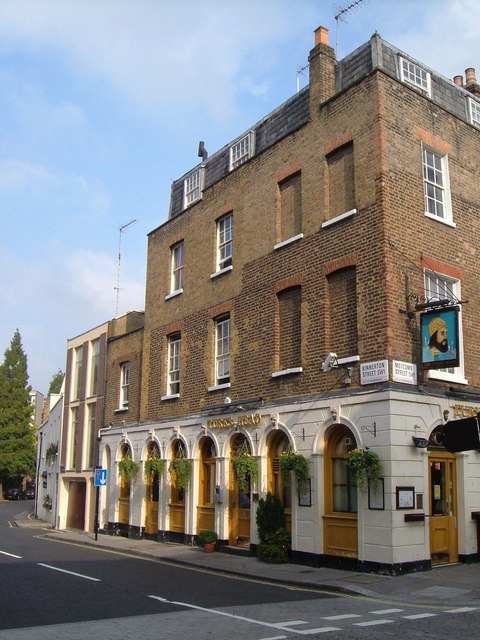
(341, 492)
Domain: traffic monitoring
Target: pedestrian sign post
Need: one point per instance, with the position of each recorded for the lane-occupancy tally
(101, 476)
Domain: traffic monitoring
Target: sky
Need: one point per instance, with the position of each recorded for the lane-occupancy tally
(103, 104)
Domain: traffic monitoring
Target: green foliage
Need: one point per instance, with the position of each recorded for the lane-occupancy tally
(47, 502)
(296, 463)
(364, 464)
(153, 466)
(246, 470)
(128, 468)
(207, 536)
(56, 382)
(181, 471)
(17, 434)
(270, 516)
(51, 453)
(276, 547)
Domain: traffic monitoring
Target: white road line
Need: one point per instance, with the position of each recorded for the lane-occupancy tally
(292, 623)
(372, 623)
(419, 616)
(72, 573)
(461, 609)
(274, 638)
(383, 612)
(344, 616)
(319, 630)
(12, 555)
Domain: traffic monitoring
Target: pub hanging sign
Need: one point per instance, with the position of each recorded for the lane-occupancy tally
(440, 342)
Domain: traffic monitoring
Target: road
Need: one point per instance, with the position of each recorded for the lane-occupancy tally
(57, 591)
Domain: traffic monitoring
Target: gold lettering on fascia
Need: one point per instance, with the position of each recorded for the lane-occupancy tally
(462, 411)
(228, 423)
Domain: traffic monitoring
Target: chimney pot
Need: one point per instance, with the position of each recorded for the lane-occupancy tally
(458, 80)
(321, 36)
(470, 76)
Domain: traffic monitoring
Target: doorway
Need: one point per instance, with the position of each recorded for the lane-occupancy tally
(152, 491)
(443, 508)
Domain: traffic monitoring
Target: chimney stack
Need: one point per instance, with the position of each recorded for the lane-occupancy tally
(458, 80)
(322, 63)
(471, 82)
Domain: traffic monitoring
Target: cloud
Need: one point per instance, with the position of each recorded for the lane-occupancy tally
(16, 175)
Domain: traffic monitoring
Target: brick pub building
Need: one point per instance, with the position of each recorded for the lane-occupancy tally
(281, 315)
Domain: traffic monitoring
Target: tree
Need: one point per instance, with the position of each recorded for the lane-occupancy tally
(17, 436)
(56, 382)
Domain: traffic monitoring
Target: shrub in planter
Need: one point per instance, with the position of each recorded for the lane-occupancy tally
(269, 517)
(207, 536)
(276, 548)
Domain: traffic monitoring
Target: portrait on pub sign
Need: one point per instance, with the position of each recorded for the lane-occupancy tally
(439, 332)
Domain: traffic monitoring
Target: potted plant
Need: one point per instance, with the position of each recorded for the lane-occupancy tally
(153, 466)
(290, 461)
(51, 453)
(128, 468)
(207, 538)
(364, 464)
(245, 469)
(181, 470)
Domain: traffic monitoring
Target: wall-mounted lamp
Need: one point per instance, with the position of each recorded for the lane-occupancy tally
(446, 414)
(420, 443)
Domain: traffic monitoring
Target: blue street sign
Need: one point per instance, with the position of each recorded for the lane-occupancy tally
(100, 479)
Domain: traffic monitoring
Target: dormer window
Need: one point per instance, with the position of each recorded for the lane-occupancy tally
(242, 150)
(192, 189)
(411, 73)
(474, 112)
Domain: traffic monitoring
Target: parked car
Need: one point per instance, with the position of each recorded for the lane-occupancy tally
(13, 494)
(28, 494)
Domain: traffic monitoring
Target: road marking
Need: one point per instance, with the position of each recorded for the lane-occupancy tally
(72, 573)
(12, 555)
(274, 638)
(319, 630)
(292, 623)
(372, 623)
(419, 616)
(344, 616)
(461, 609)
(383, 612)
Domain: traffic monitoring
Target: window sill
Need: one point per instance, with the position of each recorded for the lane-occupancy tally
(221, 272)
(449, 223)
(174, 396)
(121, 410)
(447, 377)
(218, 387)
(174, 294)
(286, 372)
(338, 218)
(288, 241)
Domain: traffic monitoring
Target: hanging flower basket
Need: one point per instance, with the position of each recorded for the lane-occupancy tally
(364, 464)
(153, 466)
(290, 461)
(51, 453)
(127, 468)
(47, 502)
(181, 471)
(246, 470)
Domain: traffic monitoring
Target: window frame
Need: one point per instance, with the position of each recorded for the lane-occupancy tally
(474, 111)
(78, 372)
(222, 354)
(451, 288)
(242, 150)
(412, 76)
(224, 243)
(436, 180)
(125, 372)
(173, 356)
(94, 366)
(176, 268)
(193, 187)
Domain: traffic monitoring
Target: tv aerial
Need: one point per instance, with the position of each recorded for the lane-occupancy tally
(117, 288)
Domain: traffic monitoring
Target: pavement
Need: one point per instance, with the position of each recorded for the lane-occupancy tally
(452, 585)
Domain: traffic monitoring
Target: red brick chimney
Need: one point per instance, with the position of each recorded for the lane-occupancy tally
(322, 70)
(471, 82)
